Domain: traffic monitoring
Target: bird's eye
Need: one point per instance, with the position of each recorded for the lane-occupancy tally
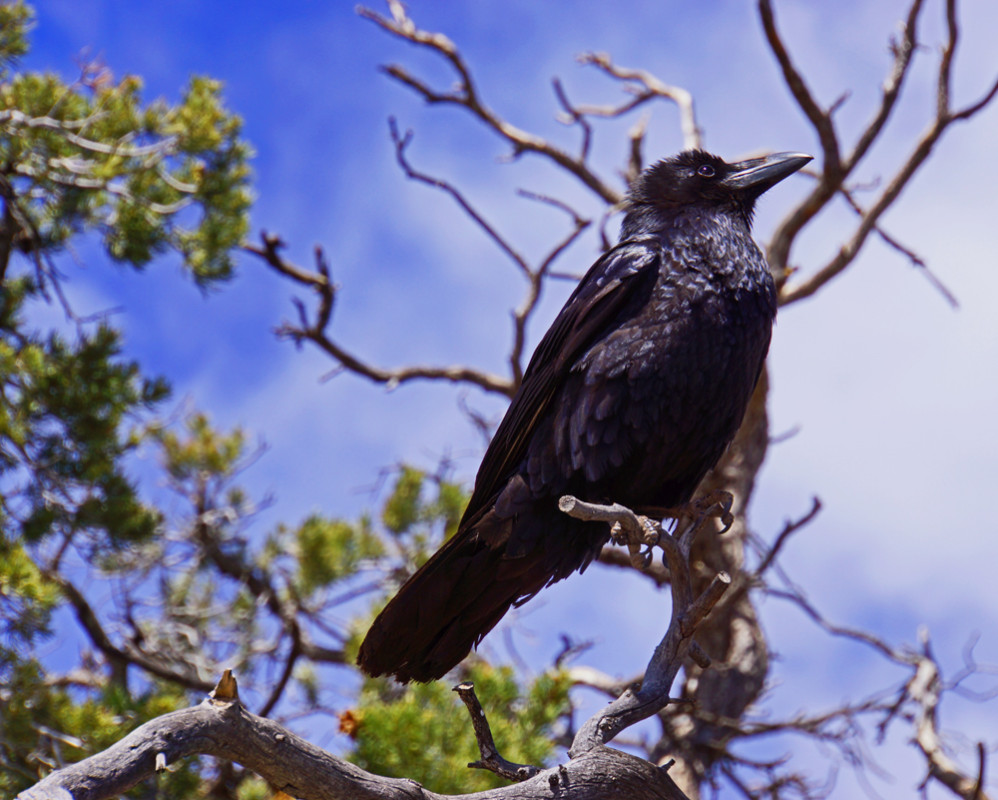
(706, 171)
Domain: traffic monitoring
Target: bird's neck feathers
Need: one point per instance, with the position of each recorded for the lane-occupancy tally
(642, 218)
(716, 243)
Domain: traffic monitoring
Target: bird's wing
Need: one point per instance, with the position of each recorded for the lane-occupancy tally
(596, 301)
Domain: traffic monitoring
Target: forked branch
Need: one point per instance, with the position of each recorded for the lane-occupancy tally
(640, 702)
(837, 168)
(315, 329)
(222, 727)
(642, 86)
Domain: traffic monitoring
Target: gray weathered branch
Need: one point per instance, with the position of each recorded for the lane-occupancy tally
(836, 167)
(221, 726)
(640, 702)
(315, 330)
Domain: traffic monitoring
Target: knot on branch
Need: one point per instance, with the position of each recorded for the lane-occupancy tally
(226, 690)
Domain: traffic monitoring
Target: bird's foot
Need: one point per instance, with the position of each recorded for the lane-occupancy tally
(640, 530)
(713, 505)
(640, 537)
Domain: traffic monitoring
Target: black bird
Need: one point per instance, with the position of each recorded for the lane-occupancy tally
(631, 397)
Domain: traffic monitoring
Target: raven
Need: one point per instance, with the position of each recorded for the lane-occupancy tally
(632, 396)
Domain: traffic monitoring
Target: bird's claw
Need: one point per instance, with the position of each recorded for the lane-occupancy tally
(639, 539)
(617, 534)
(646, 532)
(714, 505)
(652, 531)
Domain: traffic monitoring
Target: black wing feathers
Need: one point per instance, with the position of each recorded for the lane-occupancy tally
(510, 543)
(587, 316)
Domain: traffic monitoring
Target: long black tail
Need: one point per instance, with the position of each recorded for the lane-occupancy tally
(462, 592)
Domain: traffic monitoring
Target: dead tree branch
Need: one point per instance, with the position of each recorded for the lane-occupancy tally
(222, 727)
(402, 142)
(643, 86)
(315, 330)
(466, 95)
(925, 689)
(892, 242)
(491, 759)
(535, 276)
(918, 700)
(319, 281)
(837, 168)
(688, 611)
(128, 653)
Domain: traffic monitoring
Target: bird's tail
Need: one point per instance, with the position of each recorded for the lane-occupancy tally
(462, 592)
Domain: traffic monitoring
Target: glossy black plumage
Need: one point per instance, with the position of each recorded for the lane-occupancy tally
(632, 396)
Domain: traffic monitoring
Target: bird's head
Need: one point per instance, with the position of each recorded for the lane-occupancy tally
(697, 177)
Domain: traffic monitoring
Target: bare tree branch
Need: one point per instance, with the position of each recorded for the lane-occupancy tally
(536, 278)
(491, 759)
(836, 171)
(600, 681)
(222, 727)
(910, 254)
(120, 656)
(891, 89)
(574, 116)
(466, 95)
(788, 530)
(925, 689)
(820, 119)
(315, 331)
(402, 142)
(644, 87)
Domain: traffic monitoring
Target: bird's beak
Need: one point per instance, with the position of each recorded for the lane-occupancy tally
(756, 175)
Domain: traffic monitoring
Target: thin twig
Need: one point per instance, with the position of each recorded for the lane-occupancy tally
(910, 254)
(294, 652)
(647, 87)
(402, 142)
(788, 530)
(573, 116)
(491, 760)
(466, 95)
(315, 331)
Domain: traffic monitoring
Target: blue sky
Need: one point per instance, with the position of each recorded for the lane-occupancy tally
(893, 394)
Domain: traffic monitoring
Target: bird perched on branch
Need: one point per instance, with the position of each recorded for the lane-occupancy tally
(631, 397)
